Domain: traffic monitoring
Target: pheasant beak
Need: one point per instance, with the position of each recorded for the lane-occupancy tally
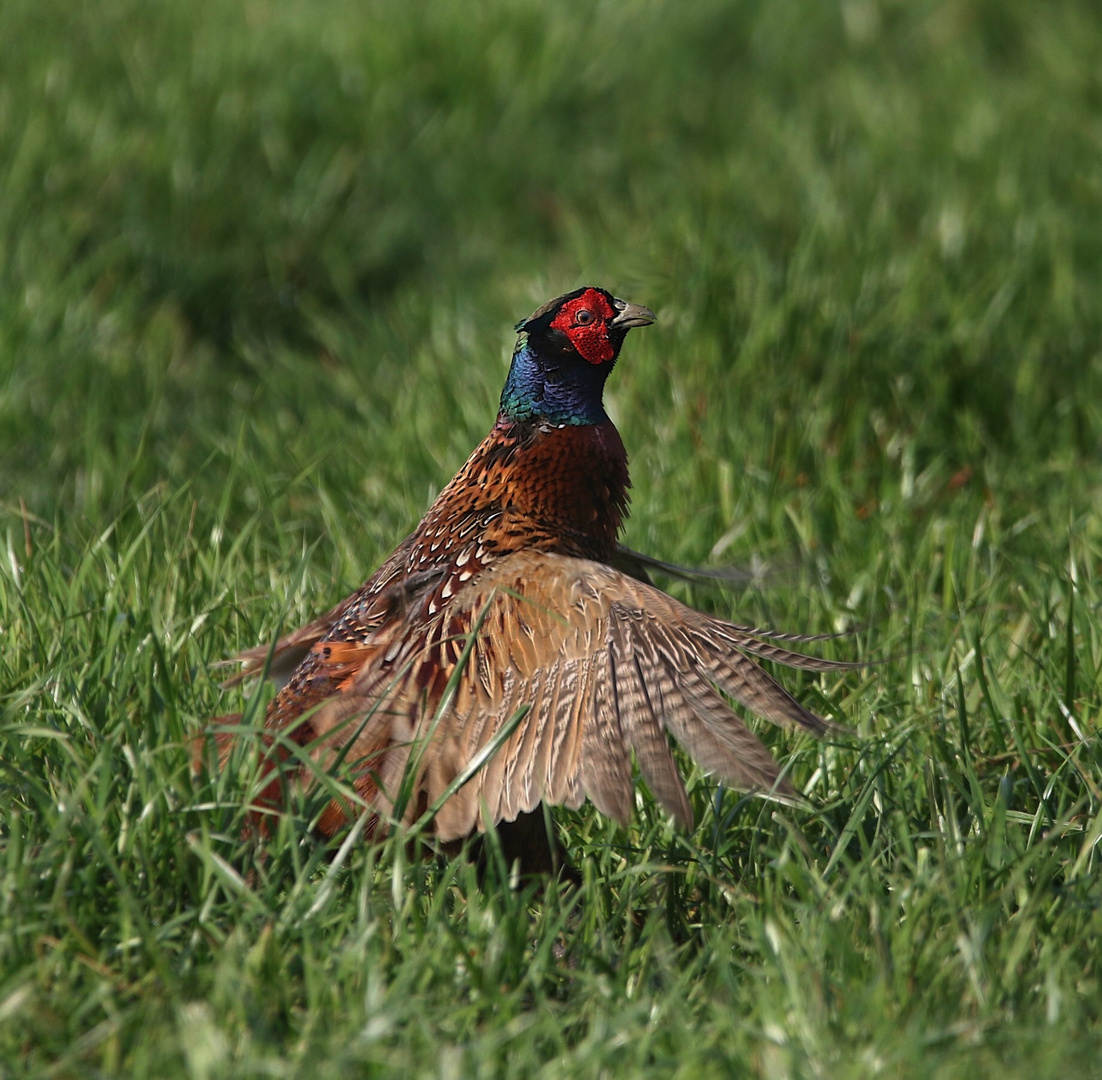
(630, 315)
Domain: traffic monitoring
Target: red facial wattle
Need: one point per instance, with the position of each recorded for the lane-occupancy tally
(584, 320)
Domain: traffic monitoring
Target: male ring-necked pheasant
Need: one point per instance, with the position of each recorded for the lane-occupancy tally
(514, 577)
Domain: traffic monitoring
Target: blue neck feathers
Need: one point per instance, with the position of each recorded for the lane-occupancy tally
(558, 390)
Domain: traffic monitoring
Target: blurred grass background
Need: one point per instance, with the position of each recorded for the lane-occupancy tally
(258, 268)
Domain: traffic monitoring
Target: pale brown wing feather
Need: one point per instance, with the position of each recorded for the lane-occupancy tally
(562, 777)
(605, 664)
(606, 764)
(697, 717)
(746, 639)
(648, 735)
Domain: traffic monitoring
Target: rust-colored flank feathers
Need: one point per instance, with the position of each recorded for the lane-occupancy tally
(516, 564)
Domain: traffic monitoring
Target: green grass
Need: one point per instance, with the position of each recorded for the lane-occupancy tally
(258, 265)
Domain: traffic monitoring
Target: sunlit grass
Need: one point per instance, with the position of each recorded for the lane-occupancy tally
(258, 266)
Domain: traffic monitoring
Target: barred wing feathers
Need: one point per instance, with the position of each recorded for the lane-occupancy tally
(604, 664)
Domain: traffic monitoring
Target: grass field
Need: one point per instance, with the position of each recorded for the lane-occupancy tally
(258, 267)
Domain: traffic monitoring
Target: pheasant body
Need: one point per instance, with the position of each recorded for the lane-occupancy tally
(514, 563)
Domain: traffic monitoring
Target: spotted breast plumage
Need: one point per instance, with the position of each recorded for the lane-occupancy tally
(512, 597)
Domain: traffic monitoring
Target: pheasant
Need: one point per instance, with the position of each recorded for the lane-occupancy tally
(512, 603)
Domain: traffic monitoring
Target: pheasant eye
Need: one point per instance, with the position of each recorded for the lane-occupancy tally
(583, 317)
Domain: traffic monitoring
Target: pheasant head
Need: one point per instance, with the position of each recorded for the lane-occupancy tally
(565, 352)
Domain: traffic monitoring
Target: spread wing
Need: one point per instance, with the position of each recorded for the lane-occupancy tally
(282, 657)
(604, 665)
